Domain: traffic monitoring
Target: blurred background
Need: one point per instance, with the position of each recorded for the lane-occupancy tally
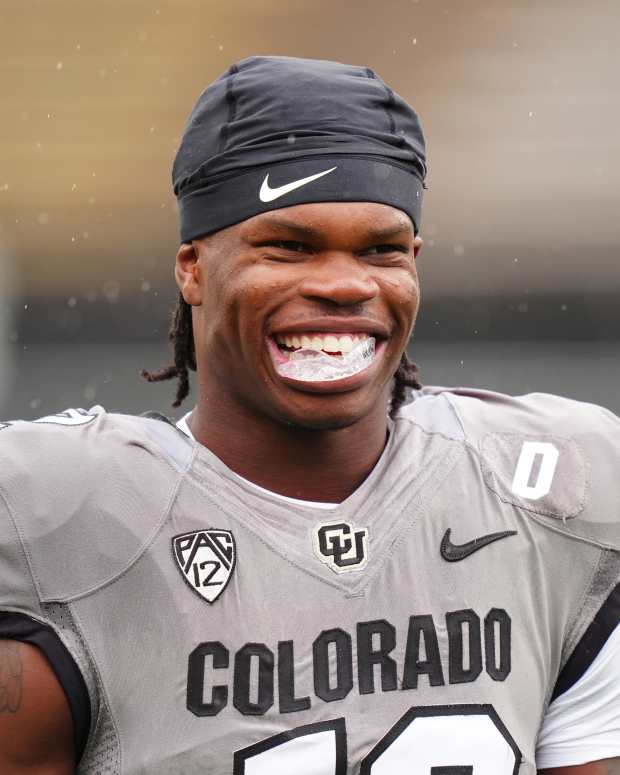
(520, 101)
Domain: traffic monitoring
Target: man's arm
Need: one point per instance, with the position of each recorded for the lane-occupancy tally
(603, 767)
(36, 729)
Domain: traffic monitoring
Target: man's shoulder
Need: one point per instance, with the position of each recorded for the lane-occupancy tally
(476, 412)
(85, 490)
(84, 445)
(554, 458)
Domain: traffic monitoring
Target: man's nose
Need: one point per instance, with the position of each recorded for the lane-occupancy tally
(339, 279)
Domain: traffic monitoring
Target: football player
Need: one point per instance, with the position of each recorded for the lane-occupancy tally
(309, 575)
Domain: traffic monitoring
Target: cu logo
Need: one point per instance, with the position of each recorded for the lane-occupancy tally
(341, 546)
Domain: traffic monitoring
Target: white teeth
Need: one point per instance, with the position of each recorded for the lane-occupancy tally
(345, 344)
(331, 343)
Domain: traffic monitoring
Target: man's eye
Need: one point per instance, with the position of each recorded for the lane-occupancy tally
(378, 250)
(294, 247)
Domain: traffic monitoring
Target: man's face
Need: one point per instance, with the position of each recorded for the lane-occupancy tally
(335, 273)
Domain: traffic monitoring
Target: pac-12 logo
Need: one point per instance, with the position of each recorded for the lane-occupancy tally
(341, 546)
(206, 559)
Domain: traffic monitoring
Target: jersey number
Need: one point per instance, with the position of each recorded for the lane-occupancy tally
(435, 740)
(535, 469)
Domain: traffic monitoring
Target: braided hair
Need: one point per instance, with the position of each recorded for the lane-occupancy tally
(181, 337)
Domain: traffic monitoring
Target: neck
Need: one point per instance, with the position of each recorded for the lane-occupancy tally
(314, 465)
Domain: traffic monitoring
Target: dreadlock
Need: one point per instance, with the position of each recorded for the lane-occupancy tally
(406, 377)
(181, 337)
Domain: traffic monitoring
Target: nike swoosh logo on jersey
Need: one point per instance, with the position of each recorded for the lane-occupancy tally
(268, 194)
(455, 552)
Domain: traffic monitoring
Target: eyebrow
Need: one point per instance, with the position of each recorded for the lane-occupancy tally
(308, 232)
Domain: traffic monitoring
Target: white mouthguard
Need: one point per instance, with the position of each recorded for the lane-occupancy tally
(317, 366)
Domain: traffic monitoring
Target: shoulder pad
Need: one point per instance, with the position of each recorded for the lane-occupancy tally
(556, 459)
(87, 491)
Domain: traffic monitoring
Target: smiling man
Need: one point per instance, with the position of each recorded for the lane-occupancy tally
(309, 575)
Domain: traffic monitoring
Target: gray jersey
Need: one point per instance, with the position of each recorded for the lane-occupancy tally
(422, 626)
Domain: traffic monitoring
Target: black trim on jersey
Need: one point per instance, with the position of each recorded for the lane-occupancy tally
(153, 415)
(337, 726)
(592, 641)
(23, 628)
(436, 711)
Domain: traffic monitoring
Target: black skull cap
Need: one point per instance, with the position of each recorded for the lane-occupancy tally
(274, 132)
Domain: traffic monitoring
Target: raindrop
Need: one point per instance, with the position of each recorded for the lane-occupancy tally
(459, 250)
(59, 65)
(291, 139)
(531, 114)
(43, 218)
(91, 200)
(111, 290)
(220, 47)
(415, 41)
(145, 287)
(90, 391)
(564, 307)
(85, 235)
(35, 403)
(152, 129)
(73, 187)
(71, 302)
(5, 187)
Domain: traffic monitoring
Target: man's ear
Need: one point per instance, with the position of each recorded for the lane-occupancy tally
(188, 274)
(417, 246)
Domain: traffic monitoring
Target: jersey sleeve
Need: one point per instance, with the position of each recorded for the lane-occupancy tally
(81, 495)
(17, 589)
(22, 618)
(85, 492)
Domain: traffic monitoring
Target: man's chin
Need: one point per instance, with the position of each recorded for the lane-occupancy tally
(329, 413)
(321, 423)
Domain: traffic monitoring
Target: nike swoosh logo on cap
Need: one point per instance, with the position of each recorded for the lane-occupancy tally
(268, 194)
(455, 552)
